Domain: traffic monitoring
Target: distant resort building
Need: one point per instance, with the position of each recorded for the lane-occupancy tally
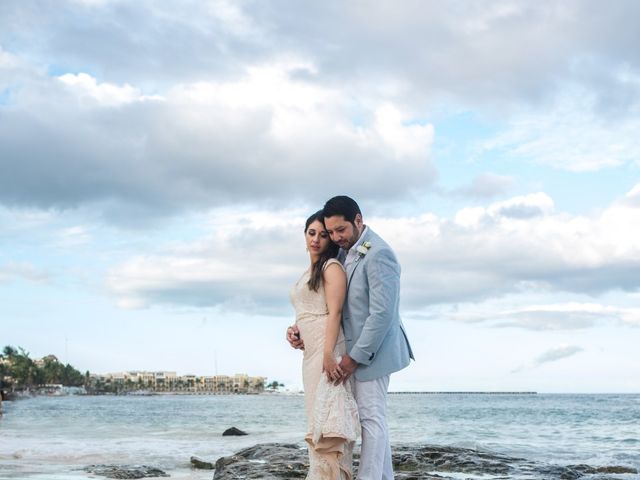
(47, 375)
(170, 382)
(40, 362)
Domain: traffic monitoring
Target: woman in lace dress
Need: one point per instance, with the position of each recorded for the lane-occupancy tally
(332, 414)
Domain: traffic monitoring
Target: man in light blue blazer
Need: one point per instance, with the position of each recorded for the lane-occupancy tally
(376, 341)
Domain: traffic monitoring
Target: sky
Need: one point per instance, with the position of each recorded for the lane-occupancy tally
(158, 160)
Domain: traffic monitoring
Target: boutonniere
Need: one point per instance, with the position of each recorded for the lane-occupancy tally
(363, 248)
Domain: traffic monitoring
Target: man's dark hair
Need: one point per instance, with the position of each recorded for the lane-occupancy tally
(342, 205)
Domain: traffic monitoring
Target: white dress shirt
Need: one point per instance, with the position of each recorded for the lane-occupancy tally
(353, 253)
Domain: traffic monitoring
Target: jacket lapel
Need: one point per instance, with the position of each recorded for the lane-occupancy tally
(358, 260)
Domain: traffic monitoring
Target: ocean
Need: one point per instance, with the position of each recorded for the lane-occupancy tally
(53, 438)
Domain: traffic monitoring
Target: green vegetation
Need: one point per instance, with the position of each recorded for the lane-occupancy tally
(18, 371)
(274, 385)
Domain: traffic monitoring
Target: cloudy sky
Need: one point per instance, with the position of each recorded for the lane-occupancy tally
(158, 159)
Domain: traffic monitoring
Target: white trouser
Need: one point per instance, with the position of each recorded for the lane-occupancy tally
(375, 454)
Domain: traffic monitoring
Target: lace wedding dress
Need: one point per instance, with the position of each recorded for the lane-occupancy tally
(332, 413)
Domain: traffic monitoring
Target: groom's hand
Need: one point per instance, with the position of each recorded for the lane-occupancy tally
(293, 337)
(348, 365)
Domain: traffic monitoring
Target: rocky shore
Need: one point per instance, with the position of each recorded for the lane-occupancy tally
(411, 462)
(277, 461)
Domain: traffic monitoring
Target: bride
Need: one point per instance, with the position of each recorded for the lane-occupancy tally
(332, 414)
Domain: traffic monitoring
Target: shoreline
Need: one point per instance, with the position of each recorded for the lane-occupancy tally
(275, 461)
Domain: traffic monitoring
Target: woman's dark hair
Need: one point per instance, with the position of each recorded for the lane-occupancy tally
(342, 205)
(315, 278)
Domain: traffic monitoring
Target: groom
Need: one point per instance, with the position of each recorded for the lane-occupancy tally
(376, 342)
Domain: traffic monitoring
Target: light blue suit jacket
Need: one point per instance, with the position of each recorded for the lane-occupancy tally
(373, 331)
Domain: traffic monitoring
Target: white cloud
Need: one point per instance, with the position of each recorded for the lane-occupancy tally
(518, 245)
(105, 94)
(308, 113)
(515, 245)
(234, 19)
(571, 134)
(555, 316)
(24, 218)
(12, 271)
(633, 196)
(74, 236)
(248, 263)
(7, 60)
(405, 140)
(92, 3)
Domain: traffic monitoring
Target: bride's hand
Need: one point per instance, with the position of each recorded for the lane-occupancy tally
(293, 337)
(331, 368)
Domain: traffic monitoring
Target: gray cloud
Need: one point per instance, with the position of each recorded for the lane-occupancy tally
(550, 356)
(203, 145)
(481, 51)
(147, 43)
(162, 157)
(558, 353)
(468, 268)
(521, 211)
(484, 52)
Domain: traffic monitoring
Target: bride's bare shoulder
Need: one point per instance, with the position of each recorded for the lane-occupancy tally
(333, 262)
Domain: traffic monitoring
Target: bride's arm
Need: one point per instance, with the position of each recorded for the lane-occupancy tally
(335, 288)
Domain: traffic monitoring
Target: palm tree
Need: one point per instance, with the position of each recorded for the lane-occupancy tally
(275, 384)
(23, 369)
(9, 352)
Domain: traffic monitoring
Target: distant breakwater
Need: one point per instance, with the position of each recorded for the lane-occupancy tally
(463, 393)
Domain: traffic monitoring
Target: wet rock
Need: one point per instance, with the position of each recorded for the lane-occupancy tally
(449, 459)
(574, 472)
(616, 470)
(201, 464)
(125, 471)
(233, 431)
(281, 461)
(268, 461)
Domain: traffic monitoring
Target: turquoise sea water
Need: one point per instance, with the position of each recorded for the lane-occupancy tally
(52, 438)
